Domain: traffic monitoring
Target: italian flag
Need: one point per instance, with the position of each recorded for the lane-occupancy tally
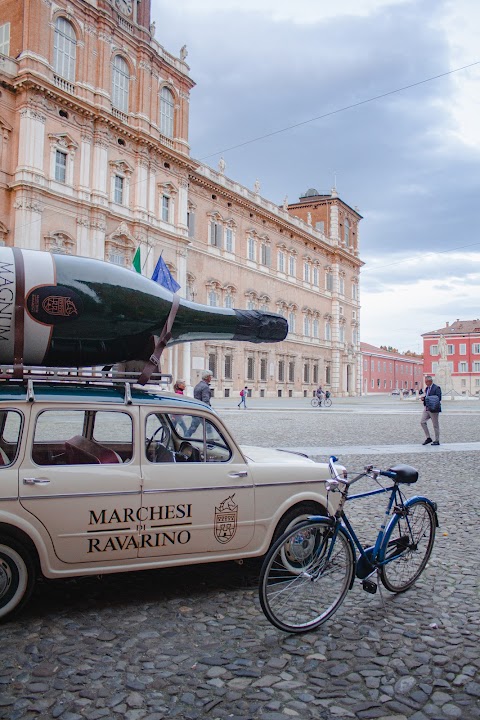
(136, 263)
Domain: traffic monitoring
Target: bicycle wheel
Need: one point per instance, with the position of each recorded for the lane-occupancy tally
(314, 402)
(306, 575)
(407, 546)
(327, 402)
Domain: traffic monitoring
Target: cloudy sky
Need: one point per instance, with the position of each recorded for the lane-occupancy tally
(409, 161)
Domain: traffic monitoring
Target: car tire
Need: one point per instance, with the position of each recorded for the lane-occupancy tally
(296, 515)
(17, 576)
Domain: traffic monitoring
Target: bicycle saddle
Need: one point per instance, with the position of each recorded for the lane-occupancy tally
(404, 474)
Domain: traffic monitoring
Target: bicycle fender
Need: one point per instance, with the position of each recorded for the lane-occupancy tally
(352, 545)
(417, 498)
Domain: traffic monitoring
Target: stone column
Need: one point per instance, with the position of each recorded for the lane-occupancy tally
(182, 203)
(100, 169)
(99, 227)
(28, 223)
(83, 237)
(31, 143)
(85, 166)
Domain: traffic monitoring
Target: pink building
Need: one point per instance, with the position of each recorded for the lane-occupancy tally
(95, 161)
(384, 371)
(462, 339)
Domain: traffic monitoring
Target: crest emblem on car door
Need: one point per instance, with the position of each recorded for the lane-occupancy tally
(226, 520)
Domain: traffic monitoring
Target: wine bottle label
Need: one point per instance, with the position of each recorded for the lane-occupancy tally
(53, 304)
(39, 271)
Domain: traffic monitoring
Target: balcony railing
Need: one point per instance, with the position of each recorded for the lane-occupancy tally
(64, 84)
(125, 24)
(166, 141)
(120, 115)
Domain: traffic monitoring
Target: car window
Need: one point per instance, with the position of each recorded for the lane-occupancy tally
(184, 438)
(10, 429)
(72, 437)
(113, 427)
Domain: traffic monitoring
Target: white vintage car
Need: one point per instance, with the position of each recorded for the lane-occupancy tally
(103, 477)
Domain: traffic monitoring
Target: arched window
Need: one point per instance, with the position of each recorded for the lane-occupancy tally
(228, 301)
(213, 298)
(167, 107)
(347, 232)
(64, 49)
(120, 84)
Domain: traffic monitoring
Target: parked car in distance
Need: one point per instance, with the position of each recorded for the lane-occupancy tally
(100, 476)
(396, 391)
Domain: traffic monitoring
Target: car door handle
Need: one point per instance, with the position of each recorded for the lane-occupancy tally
(241, 473)
(36, 481)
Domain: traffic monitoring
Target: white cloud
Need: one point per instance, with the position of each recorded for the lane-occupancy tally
(299, 12)
(409, 308)
(461, 25)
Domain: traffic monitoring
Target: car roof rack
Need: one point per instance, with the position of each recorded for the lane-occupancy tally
(78, 376)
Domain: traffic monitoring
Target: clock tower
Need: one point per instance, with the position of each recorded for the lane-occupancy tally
(143, 12)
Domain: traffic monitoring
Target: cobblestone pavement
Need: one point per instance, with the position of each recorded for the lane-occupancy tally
(192, 642)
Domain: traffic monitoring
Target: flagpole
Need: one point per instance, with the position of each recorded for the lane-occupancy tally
(148, 253)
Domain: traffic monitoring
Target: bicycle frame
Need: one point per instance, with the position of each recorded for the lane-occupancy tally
(370, 555)
(373, 557)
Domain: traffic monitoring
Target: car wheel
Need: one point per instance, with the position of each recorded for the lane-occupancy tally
(296, 515)
(17, 576)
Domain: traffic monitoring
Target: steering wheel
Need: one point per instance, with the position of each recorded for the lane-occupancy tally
(164, 439)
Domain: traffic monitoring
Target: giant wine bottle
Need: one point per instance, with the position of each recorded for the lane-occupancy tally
(63, 310)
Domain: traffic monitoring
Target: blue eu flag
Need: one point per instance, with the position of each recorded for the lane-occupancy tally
(163, 276)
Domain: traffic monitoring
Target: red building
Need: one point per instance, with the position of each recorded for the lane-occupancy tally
(384, 371)
(463, 354)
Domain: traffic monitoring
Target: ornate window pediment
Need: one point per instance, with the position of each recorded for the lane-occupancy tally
(63, 140)
(120, 246)
(121, 167)
(3, 233)
(168, 188)
(215, 216)
(4, 126)
(229, 288)
(293, 307)
(60, 243)
(327, 317)
(213, 284)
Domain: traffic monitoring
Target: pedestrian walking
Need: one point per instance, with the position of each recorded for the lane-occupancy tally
(203, 392)
(432, 402)
(243, 398)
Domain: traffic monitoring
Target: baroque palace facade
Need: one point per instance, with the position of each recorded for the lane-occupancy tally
(95, 161)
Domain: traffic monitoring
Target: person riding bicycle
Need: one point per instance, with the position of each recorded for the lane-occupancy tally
(320, 393)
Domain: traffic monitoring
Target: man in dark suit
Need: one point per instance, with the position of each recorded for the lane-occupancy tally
(431, 413)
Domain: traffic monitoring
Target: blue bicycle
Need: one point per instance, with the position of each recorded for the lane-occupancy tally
(309, 570)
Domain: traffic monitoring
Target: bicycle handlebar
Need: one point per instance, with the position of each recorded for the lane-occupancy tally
(369, 470)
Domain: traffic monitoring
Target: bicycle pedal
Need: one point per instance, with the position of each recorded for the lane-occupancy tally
(369, 586)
